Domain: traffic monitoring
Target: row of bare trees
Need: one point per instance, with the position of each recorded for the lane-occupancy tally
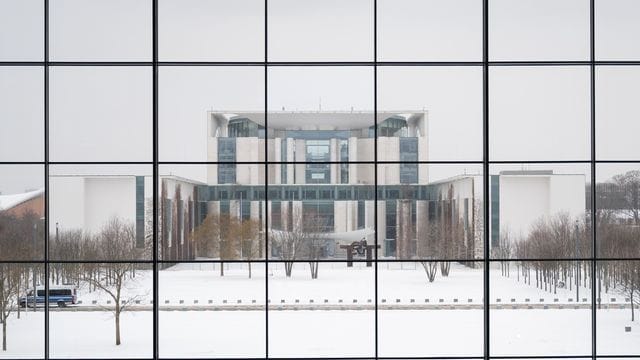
(545, 256)
(115, 243)
(227, 237)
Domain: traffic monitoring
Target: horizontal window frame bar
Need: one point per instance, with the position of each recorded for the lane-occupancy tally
(305, 261)
(171, 63)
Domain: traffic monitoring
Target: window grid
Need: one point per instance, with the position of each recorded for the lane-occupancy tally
(155, 64)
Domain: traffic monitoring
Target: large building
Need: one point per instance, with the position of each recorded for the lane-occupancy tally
(283, 168)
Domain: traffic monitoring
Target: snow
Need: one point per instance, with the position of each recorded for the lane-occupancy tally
(326, 333)
(406, 281)
(9, 201)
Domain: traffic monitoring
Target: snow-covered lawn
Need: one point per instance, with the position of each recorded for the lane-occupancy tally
(202, 282)
(325, 333)
(241, 333)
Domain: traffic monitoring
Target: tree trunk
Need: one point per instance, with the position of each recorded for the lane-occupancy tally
(117, 316)
(4, 335)
(313, 265)
(221, 269)
(288, 266)
(632, 310)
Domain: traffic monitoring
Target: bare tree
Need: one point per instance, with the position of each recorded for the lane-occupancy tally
(314, 225)
(428, 237)
(206, 237)
(116, 242)
(250, 240)
(10, 276)
(628, 185)
(290, 241)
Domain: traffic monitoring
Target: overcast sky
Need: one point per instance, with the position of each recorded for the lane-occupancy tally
(104, 113)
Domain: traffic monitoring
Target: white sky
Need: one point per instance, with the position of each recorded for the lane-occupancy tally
(104, 114)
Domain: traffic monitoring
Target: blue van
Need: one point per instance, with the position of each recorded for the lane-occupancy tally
(60, 295)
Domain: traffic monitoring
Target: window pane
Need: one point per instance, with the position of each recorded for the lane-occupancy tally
(539, 113)
(430, 212)
(304, 105)
(303, 321)
(108, 30)
(617, 112)
(23, 330)
(202, 108)
(320, 30)
(229, 303)
(442, 30)
(617, 299)
(202, 30)
(441, 107)
(21, 30)
(21, 212)
(539, 30)
(86, 324)
(617, 30)
(214, 211)
(540, 211)
(91, 204)
(618, 210)
(100, 114)
(319, 217)
(534, 311)
(21, 114)
(443, 299)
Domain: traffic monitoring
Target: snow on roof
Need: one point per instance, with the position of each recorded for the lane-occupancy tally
(13, 200)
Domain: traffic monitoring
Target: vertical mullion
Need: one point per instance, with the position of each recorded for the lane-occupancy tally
(593, 176)
(154, 14)
(375, 171)
(46, 179)
(266, 186)
(485, 172)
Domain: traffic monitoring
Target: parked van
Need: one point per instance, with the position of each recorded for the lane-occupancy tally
(61, 295)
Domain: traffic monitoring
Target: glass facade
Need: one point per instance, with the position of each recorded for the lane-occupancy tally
(327, 179)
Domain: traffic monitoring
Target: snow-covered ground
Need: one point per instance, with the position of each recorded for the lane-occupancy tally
(325, 333)
(202, 282)
(239, 333)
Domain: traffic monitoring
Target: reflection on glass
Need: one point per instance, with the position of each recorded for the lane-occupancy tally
(438, 106)
(515, 32)
(323, 311)
(21, 114)
(21, 29)
(200, 107)
(540, 302)
(425, 307)
(305, 108)
(616, 30)
(429, 212)
(540, 211)
(617, 112)
(442, 30)
(539, 113)
(101, 310)
(21, 315)
(618, 300)
(22, 212)
(100, 113)
(214, 211)
(228, 300)
(203, 30)
(108, 30)
(617, 210)
(325, 30)
(91, 204)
